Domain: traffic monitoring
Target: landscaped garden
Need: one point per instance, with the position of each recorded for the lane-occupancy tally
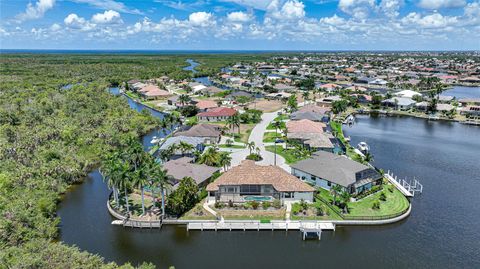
(291, 155)
(270, 137)
(252, 210)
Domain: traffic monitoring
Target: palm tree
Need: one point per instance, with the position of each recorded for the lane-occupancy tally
(225, 160)
(158, 178)
(345, 200)
(125, 176)
(210, 157)
(184, 99)
(368, 157)
(140, 180)
(306, 96)
(185, 147)
(110, 172)
(234, 121)
(336, 189)
(251, 146)
(134, 153)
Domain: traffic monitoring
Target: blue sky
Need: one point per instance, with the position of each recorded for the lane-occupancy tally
(241, 24)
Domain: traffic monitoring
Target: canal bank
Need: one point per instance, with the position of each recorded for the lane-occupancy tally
(439, 232)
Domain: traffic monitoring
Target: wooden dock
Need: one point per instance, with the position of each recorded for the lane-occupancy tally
(258, 226)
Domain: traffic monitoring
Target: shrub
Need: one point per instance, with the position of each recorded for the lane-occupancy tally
(254, 157)
(303, 205)
(277, 204)
(376, 205)
(219, 205)
(230, 203)
(255, 204)
(383, 197)
(266, 205)
(320, 211)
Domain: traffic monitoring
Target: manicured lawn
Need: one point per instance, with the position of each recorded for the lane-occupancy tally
(245, 130)
(395, 203)
(337, 130)
(231, 146)
(281, 117)
(198, 213)
(269, 137)
(272, 127)
(311, 213)
(288, 154)
(252, 214)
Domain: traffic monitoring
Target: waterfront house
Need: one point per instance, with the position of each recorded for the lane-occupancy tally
(407, 93)
(216, 114)
(183, 167)
(469, 101)
(210, 134)
(309, 115)
(471, 111)
(327, 101)
(196, 142)
(310, 134)
(153, 92)
(211, 90)
(251, 182)
(399, 103)
(204, 105)
(325, 169)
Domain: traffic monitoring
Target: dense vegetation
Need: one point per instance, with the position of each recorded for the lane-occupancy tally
(51, 137)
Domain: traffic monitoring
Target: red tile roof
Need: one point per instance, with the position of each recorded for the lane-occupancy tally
(218, 112)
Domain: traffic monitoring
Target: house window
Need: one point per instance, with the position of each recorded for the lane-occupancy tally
(288, 195)
(230, 189)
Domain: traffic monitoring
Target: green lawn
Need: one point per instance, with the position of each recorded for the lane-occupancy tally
(288, 154)
(337, 130)
(395, 203)
(269, 137)
(271, 127)
(231, 146)
(281, 117)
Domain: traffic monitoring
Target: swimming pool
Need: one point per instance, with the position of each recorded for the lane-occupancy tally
(257, 198)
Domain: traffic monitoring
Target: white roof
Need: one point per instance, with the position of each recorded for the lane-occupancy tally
(407, 93)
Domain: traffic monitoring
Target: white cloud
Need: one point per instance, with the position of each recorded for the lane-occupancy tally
(256, 4)
(75, 22)
(36, 11)
(239, 16)
(55, 27)
(334, 20)
(200, 18)
(436, 4)
(290, 10)
(473, 9)
(107, 17)
(391, 7)
(109, 5)
(358, 9)
(435, 20)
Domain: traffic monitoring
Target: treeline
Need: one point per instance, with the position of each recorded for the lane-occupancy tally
(50, 138)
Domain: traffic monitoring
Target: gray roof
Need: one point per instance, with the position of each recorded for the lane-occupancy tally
(314, 140)
(309, 115)
(195, 141)
(332, 167)
(201, 130)
(181, 168)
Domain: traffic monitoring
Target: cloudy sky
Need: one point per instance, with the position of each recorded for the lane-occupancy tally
(241, 24)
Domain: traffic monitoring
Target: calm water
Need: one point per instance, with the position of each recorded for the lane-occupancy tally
(463, 92)
(441, 232)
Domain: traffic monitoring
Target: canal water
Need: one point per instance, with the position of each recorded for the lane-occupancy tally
(463, 92)
(441, 232)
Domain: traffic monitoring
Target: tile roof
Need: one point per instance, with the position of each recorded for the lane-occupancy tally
(204, 104)
(249, 173)
(218, 112)
(314, 108)
(305, 126)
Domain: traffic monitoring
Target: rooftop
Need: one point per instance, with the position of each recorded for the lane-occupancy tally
(249, 173)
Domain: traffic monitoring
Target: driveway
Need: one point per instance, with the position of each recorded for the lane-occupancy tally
(257, 137)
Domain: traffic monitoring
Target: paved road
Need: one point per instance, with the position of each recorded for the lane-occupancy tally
(257, 137)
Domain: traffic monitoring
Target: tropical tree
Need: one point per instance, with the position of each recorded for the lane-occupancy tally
(339, 106)
(125, 179)
(183, 198)
(210, 157)
(335, 190)
(184, 99)
(292, 103)
(158, 179)
(345, 200)
(306, 96)
(234, 121)
(251, 146)
(140, 180)
(110, 172)
(368, 157)
(185, 147)
(225, 160)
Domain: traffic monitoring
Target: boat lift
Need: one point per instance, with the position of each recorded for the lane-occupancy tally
(408, 188)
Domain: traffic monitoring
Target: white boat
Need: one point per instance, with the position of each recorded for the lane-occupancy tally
(155, 140)
(363, 147)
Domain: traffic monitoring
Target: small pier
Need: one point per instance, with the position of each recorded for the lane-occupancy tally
(139, 224)
(408, 188)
